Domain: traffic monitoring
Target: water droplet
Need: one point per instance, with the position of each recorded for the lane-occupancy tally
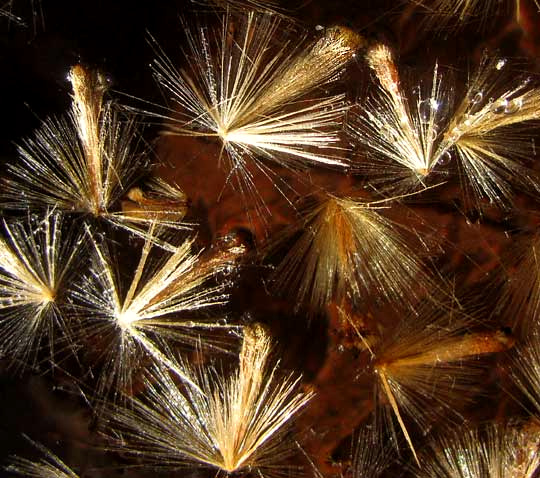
(476, 100)
(222, 321)
(500, 64)
(477, 97)
(426, 109)
(513, 106)
(228, 269)
(499, 107)
(445, 158)
(109, 80)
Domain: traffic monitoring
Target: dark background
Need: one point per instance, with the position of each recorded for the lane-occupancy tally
(112, 36)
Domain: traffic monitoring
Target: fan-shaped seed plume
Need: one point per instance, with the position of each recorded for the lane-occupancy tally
(36, 264)
(400, 133)
(426, 366)
(255, 94)
(487, 133)
(84, 162)
(484, 135)
(495, 451)
(229, 423)
(167, 302)
(347, 248)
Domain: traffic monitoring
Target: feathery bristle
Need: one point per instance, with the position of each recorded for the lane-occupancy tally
(33, 16)
(498, 451)
(370, 457)
(36, 260)
(453, 14)
(463, 8)
(50, 466)
(267, 6)
(6, 12)
(525, 368)
(164, 303)
(348, 249)
(520, 284)
(228, 423)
